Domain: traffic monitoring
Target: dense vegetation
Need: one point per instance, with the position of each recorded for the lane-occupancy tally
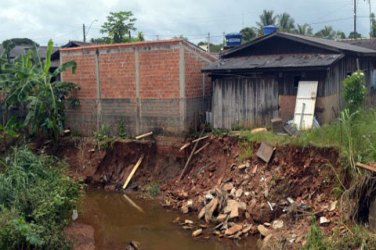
(36, 196)
(36, 199)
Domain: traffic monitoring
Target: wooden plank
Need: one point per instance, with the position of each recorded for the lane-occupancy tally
(144, 135)
(133, 172)
(365, 166)
(202, 148)
(190, 157)
(201, 138)
(185, 146)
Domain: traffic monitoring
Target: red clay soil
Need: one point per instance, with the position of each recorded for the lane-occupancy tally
(302, 174)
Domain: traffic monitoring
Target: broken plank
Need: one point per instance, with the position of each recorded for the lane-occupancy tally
(365, 166)
(200, 149)
(190, 157)
(143, 135)
(133, 171)
(133, 203)
(200, 138)
(185, 146)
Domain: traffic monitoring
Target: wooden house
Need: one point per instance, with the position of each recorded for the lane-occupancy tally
(258, 81)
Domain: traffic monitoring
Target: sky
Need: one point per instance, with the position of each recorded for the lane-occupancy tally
(62, 20)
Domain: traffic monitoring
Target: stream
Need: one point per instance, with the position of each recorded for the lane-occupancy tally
(116, 222)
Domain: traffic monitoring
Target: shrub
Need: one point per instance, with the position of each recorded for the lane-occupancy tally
(354, 91)
(36, 199)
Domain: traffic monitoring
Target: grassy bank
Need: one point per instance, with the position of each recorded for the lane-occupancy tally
(36, 201)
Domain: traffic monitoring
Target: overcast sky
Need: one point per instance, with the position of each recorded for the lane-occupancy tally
(62, 20)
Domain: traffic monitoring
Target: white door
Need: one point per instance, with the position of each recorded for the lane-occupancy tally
(305, 104)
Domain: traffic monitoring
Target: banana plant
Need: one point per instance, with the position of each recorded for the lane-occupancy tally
(27, 82)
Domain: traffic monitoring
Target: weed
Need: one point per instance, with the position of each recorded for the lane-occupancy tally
(121, 129)
(102, 137)
(220, 131)
(355, 238)
(315, 238)
(246, 151)
(154, 188)
(36, 199)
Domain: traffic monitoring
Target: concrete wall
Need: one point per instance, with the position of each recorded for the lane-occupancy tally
(148, 85)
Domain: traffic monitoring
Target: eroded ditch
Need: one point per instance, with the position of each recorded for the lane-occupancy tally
(263, 192)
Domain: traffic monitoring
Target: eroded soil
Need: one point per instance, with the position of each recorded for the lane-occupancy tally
(282, 196)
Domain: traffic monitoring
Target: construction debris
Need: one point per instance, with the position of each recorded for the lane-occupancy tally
(143, 135)
(133, 172)
(258, 130)
(185, 146)
(263, 230)
(365, 166)
(265, 152)
(197, 232)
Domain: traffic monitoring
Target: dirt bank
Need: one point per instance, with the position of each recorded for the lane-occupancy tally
(239, 197)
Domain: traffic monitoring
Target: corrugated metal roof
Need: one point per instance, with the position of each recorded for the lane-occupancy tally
(21, 49)
(332, 45)
(369, 43)
(273, 61)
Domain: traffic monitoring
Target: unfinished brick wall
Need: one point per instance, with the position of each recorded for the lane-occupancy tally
(148, 85)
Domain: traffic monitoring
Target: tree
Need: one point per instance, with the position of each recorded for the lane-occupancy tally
(354, 35)
(304, 29)
(373, 25)
(285, 22)
(248, 33)
(118, 26)
(10, 44)
(326, 32)
(214, 48)
(340, 35)
(266, 18)
(28, 82)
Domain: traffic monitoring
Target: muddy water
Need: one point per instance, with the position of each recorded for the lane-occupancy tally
(116, 222)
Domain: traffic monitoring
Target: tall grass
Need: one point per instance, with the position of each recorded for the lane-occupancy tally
(36, 199)
(353, 134)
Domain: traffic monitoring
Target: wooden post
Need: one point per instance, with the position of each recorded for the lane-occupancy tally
(133, 171)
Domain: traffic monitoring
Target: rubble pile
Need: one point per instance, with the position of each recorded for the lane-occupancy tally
(280, 198)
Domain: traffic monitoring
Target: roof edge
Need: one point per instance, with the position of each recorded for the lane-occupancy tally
(117, 45)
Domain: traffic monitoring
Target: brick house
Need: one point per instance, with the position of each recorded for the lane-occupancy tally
(148, 85)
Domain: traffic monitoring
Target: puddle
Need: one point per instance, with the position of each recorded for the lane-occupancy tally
(116, 222)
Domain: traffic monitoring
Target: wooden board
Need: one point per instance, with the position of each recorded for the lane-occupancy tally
(265, 152)
(305, 104)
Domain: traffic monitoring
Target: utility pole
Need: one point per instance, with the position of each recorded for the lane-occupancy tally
(84, 32)
(370, 17)
(355, 19)
(209, 42)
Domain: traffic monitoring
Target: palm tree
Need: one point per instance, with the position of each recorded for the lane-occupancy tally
(304, 29)
(326, 32)
(285, 22)
(266, 18)
(249, 33)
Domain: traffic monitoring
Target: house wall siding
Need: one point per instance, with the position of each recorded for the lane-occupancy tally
(139, 84)
(244, 102)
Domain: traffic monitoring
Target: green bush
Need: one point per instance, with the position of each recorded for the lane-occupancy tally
(354, 91)
(36, 200)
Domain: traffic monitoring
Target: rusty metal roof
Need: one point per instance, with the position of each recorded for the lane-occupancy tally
(273, 61)
(328, 44)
